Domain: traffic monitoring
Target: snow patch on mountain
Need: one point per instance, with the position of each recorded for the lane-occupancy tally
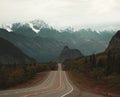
(31, 26)
(98, 32)
(7, 27)
(39, 24)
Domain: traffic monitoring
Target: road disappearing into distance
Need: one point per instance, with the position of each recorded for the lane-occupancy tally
(57, 84)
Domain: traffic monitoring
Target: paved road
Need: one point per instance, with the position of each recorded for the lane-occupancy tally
(56, 85)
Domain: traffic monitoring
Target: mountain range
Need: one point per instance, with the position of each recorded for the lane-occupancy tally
(45, 43)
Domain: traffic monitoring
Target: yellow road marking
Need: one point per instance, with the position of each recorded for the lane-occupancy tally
(45, 91)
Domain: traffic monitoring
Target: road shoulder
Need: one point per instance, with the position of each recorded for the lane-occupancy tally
(84, 82)
(37, 79)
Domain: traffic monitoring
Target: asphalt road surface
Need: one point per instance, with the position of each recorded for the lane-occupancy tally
(57, 84)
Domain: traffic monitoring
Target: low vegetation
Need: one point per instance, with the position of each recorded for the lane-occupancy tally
(97, 65)
(104, 67)
(11, 75)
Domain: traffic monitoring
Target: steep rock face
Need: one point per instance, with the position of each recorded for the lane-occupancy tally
(10, 54)
(114, 44)
(68, 53)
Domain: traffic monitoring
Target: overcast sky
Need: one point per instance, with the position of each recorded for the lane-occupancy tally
(61, 13)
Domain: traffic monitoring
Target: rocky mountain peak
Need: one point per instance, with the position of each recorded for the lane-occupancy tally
(68, 53)
(114, 44)
(66, 48)
(39, 24)
(117, 35)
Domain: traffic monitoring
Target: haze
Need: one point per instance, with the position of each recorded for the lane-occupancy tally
(62, 13)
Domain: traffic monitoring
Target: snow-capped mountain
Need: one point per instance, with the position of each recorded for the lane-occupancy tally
(37, 25)
(34, 29)
(40, 41)
(29, 29)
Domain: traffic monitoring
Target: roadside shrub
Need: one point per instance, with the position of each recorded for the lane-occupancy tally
(98, 73)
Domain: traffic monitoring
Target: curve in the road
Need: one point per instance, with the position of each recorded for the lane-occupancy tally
(70, 86)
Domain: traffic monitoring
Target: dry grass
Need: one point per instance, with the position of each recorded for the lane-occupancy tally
(39, 78)
(85, 82)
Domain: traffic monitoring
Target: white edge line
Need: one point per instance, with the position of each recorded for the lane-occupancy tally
(70, 86)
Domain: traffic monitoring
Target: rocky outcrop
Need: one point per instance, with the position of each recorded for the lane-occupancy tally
(68, 53)
(10, 54)
(114, 44)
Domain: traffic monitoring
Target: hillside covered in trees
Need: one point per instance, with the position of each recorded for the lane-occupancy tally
(103, 67)
(12, 75)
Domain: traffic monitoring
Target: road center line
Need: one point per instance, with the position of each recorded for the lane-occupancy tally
(45, 91)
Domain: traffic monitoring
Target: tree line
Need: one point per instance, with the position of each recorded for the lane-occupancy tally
(100, 65)
(11, 75)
